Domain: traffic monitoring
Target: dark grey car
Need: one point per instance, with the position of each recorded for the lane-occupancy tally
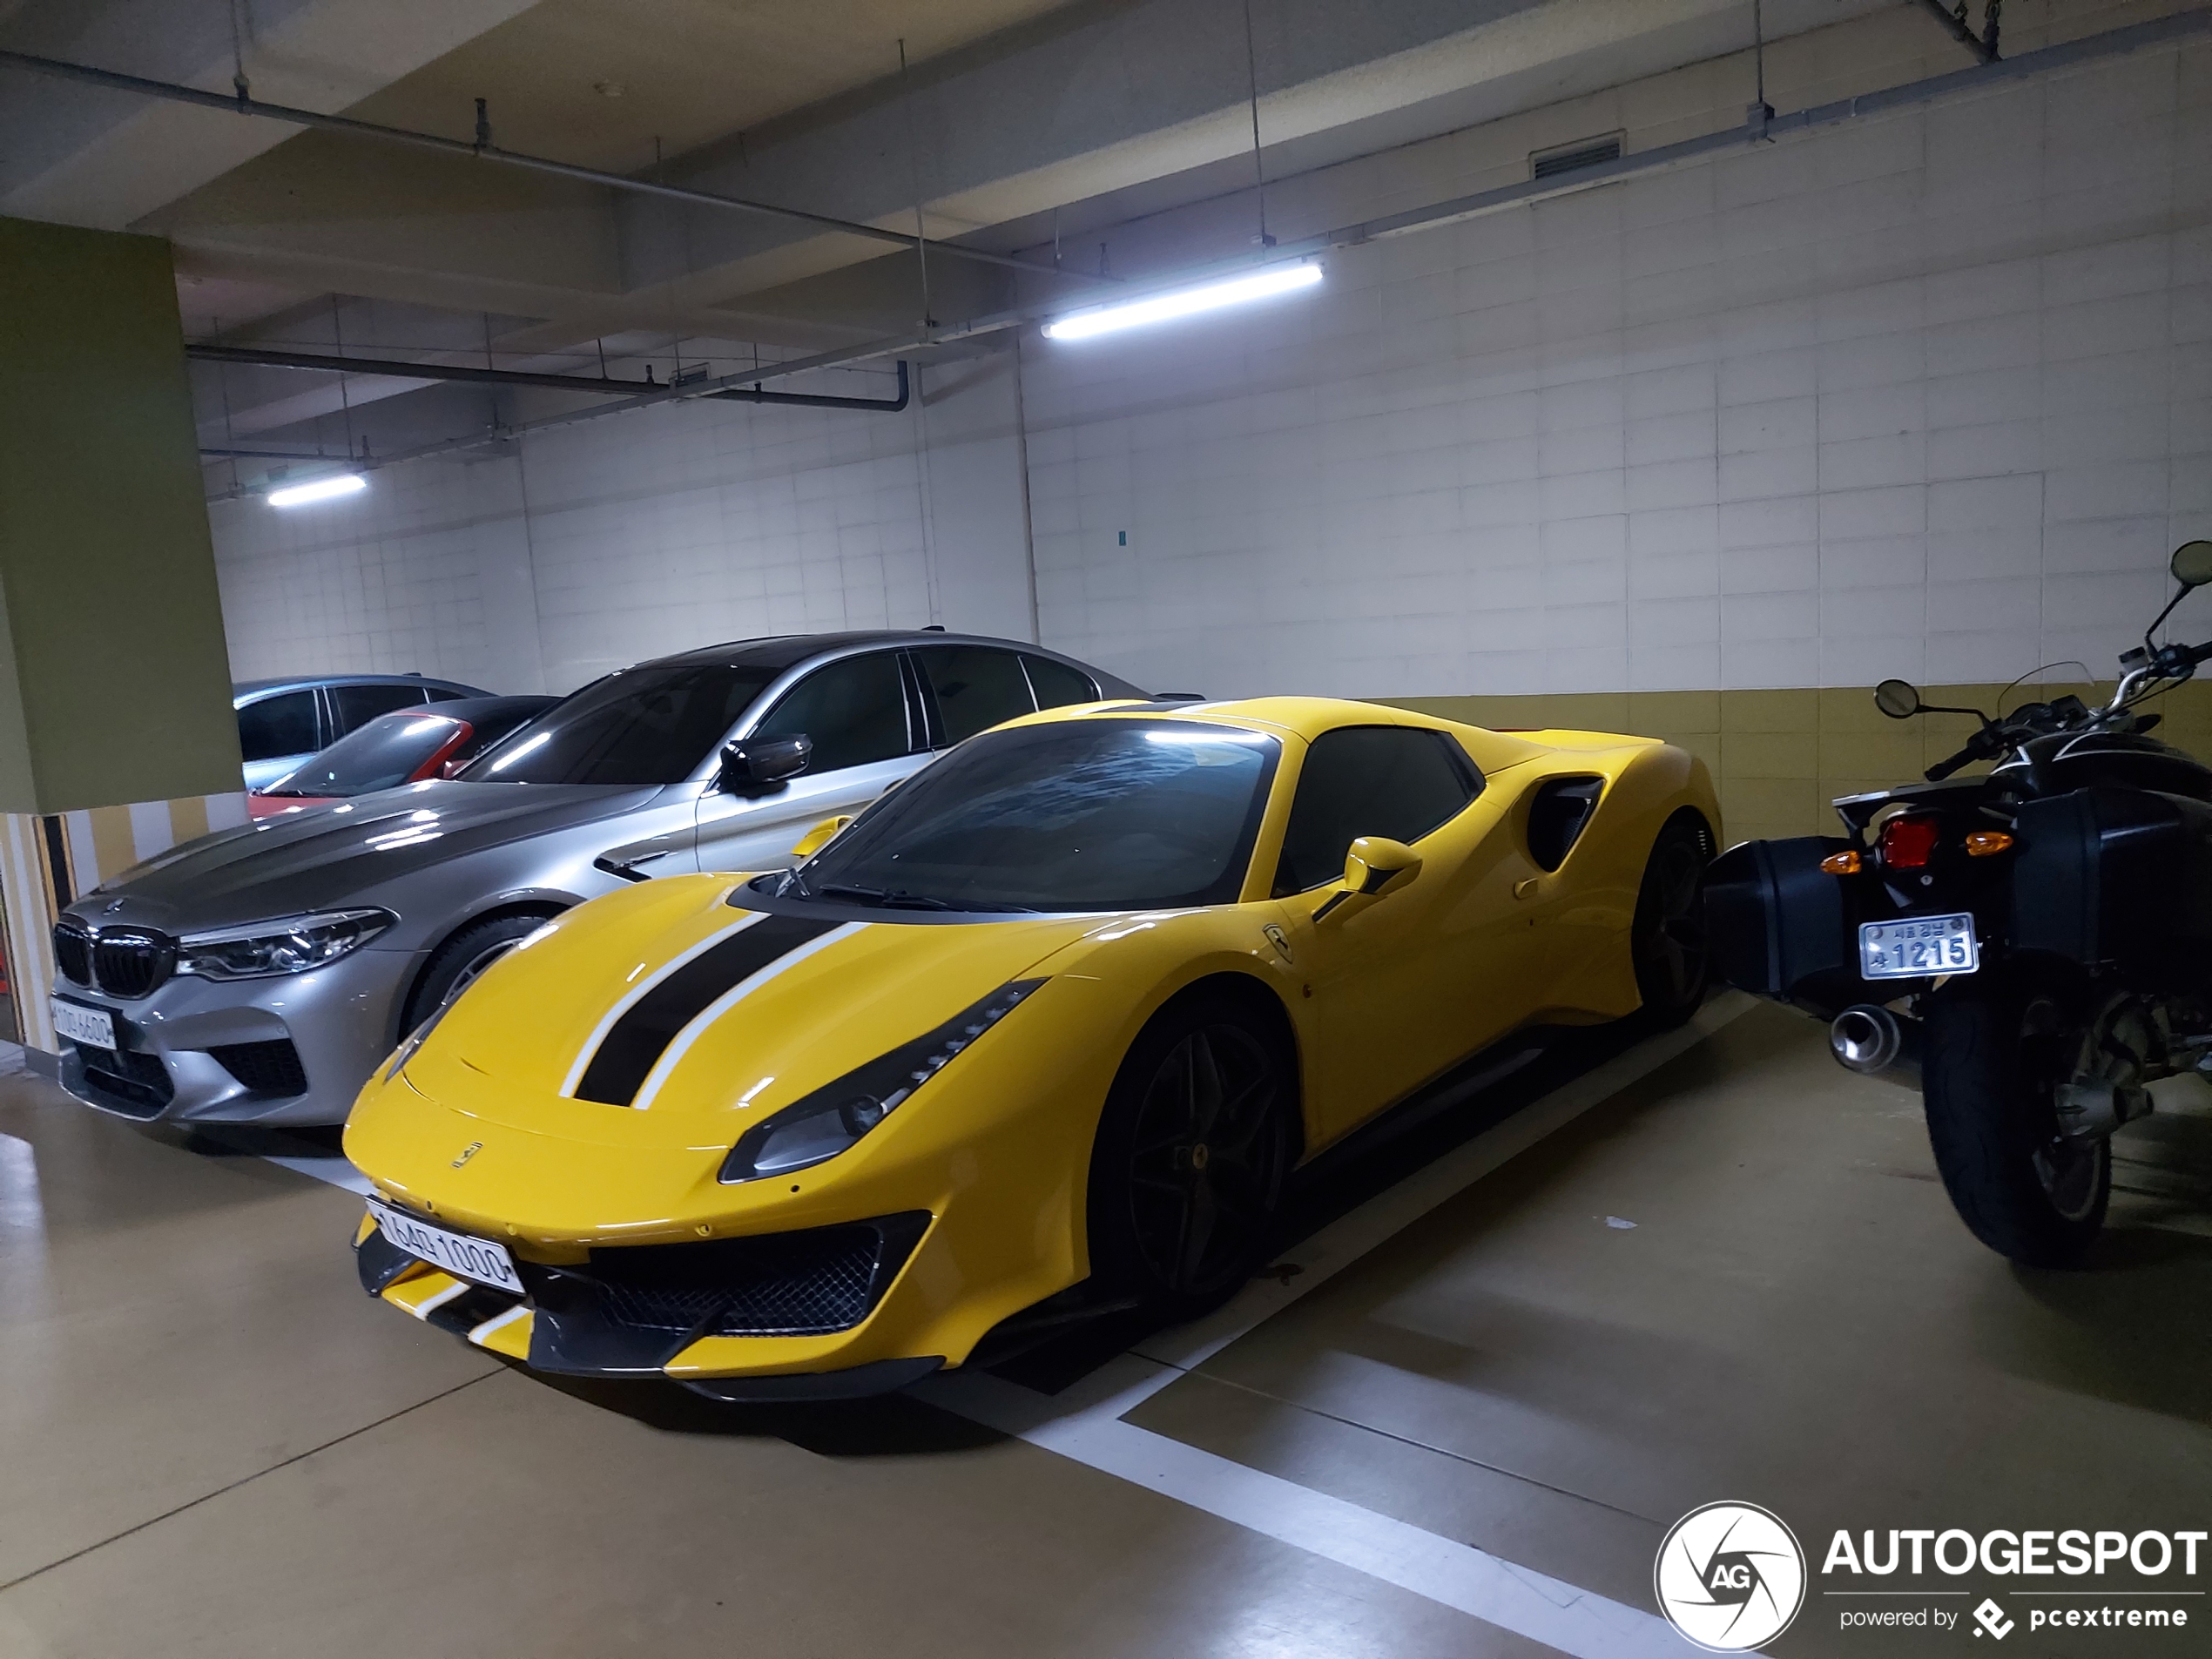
(259, 973)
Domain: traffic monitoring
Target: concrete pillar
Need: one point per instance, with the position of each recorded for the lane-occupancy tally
(116, 731)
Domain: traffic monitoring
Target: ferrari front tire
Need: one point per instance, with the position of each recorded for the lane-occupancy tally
(1193, 1150)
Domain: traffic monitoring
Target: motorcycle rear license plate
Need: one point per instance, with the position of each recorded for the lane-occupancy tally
(1917, 947)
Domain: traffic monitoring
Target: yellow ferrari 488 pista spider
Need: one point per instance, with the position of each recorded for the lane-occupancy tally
(1066, 1008)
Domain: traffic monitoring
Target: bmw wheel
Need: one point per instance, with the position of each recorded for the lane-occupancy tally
(457, 964)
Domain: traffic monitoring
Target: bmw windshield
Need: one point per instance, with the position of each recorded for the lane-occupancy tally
(645, 726)
(1118, 814)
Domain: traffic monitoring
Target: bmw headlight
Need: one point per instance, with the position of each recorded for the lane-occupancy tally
(290, 945)
(826, 1123)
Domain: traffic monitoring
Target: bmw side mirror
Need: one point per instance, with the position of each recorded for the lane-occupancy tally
(2192, 565)
(760, 764)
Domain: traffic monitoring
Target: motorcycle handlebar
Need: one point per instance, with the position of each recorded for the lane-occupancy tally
(1943, 769)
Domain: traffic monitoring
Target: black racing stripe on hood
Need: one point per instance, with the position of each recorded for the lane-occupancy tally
(629, 1053)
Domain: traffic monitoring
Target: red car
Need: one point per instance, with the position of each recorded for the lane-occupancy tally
(403, 747)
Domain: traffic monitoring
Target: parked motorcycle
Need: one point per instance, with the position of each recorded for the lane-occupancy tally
(2034, 945)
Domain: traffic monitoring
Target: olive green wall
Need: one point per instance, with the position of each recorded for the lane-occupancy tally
(1778, 758)
(114, 678)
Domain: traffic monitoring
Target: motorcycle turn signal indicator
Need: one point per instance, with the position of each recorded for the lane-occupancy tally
(1986, 844)
(1844, 863)
(1906, 842)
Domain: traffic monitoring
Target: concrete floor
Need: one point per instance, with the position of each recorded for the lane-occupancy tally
(212, 1443)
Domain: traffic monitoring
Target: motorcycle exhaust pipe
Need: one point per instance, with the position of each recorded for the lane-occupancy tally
(1871, 1040)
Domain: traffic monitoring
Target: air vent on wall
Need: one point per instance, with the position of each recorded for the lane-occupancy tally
(1572, 158)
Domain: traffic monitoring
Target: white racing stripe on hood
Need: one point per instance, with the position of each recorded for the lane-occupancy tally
(631, 997)
(723, 1003)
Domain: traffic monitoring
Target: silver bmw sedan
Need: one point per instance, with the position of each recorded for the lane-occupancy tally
(259, 975)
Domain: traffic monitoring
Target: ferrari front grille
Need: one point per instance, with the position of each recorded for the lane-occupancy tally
(780, 1285)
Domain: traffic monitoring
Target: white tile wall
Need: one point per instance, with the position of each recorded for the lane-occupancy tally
(1932, 396)
(1929, 396)
(593, 546)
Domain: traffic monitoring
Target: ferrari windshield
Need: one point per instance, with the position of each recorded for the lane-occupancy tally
(1074, 815)
(649, 726)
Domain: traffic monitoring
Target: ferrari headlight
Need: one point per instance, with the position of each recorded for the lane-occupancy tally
(831, 1119)
(292, 945)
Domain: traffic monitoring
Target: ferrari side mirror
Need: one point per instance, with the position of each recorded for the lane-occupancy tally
(1377, 865)
(821, 836)
(761, 764)
(1374, 865)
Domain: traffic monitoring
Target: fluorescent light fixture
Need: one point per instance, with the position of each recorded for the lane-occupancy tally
(1183, 302)
(345, 484)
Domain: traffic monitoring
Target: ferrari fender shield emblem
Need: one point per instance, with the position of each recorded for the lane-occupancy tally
(468, 1152)
(1279, 940)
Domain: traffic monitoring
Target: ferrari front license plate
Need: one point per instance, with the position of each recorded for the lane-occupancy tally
(477, 1260)
(1917, 946)
(95, 1027)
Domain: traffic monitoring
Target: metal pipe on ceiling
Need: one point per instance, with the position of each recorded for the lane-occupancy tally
(1984, 49)
(2111, 44)
(483, 149)
(400, 368)
(2029, 65)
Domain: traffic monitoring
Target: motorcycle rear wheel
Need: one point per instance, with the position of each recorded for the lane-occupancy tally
(1994, 1053)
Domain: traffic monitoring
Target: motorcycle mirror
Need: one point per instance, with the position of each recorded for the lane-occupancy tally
(2192, 564)
(1900, 700)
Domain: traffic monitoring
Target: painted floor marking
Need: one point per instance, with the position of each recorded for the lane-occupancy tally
(337, 1170)
(1085, 1424)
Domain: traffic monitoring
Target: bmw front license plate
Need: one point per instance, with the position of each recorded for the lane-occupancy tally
(1917, 946)
(94, 1028)
(477, 1260)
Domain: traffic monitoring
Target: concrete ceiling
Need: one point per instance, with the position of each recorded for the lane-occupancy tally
(1017, 116)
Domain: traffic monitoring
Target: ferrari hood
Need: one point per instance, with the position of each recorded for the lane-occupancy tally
(316, 861)
(667, 1015)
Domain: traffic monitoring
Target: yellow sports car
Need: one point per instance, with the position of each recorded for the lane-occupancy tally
(1065, 1009)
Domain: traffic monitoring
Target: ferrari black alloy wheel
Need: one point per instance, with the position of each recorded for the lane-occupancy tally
(1188, 1171)
(1667, 940)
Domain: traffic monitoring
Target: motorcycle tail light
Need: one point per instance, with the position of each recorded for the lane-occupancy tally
(1907, 842)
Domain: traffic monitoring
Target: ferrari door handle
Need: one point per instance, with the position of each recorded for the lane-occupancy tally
(1527, 889)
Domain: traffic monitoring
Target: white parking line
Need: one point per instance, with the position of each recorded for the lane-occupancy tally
(337, 1170)
(1085, 1422)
